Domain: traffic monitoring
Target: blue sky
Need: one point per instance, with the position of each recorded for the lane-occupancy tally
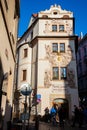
(78, 7)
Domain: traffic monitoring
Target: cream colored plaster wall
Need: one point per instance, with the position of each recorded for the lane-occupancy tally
(4, 44)
(21, 54)
(36, 30)
(12, 23)
(33, 82)
(24, 63)
(59, 87)
(21, 68)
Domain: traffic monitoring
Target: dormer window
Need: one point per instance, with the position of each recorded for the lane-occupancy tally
(45, 16)
(65, 16)
(55, 13)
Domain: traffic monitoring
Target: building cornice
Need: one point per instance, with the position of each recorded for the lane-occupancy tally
(32, 42)
(20, 45)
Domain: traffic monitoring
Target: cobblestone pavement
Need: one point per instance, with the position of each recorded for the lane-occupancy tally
(46, 126)
(50, 126)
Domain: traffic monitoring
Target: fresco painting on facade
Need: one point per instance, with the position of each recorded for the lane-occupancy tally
(55, 58)
(47, 78)
(52, 61)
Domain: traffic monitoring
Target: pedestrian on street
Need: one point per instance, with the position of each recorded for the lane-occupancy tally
(57, 117)
(85, 114)
(76, 115)
(53, 115)
(61, 116)
(81, 117)
(47, 115)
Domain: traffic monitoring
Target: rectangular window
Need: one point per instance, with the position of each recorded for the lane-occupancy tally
(6, 4)
(55, 47)
(24, 72)
(31, 35)
(55, 73)
(62, 47)
(63, 73)
(54, 28)
(25, 52)
(61, 28)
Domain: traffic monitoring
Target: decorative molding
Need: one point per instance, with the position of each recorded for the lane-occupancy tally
(47, 27)
(59, 58)
(47, 79)
(66, 23)
(69, 28)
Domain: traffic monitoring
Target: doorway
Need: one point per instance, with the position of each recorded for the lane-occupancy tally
(65, 105)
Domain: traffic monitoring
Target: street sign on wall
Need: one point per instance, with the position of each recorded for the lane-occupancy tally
(38, 98)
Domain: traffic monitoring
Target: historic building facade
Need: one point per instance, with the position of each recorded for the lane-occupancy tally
(9, 16)
(82, 68)
(47, 59)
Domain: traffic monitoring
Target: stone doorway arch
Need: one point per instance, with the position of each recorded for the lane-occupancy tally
(65, 104)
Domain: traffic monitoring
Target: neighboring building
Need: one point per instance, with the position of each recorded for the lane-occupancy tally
(9, 16)
(82, 68)
(47, 61)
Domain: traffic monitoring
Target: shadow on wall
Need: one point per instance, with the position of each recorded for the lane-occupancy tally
(8, 115)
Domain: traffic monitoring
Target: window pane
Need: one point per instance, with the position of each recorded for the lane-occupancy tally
(62, 47)
(54, 28)
(63, 73)
(55, 72)
(61, 28)
(24, 74)
(55, 47)
(6, 4)
(25, 52)
(31, 35)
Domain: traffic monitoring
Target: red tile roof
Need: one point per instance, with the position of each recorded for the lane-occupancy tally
(34, 15)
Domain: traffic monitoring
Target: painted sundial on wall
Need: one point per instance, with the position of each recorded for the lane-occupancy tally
(59, 58)
(64, 58)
